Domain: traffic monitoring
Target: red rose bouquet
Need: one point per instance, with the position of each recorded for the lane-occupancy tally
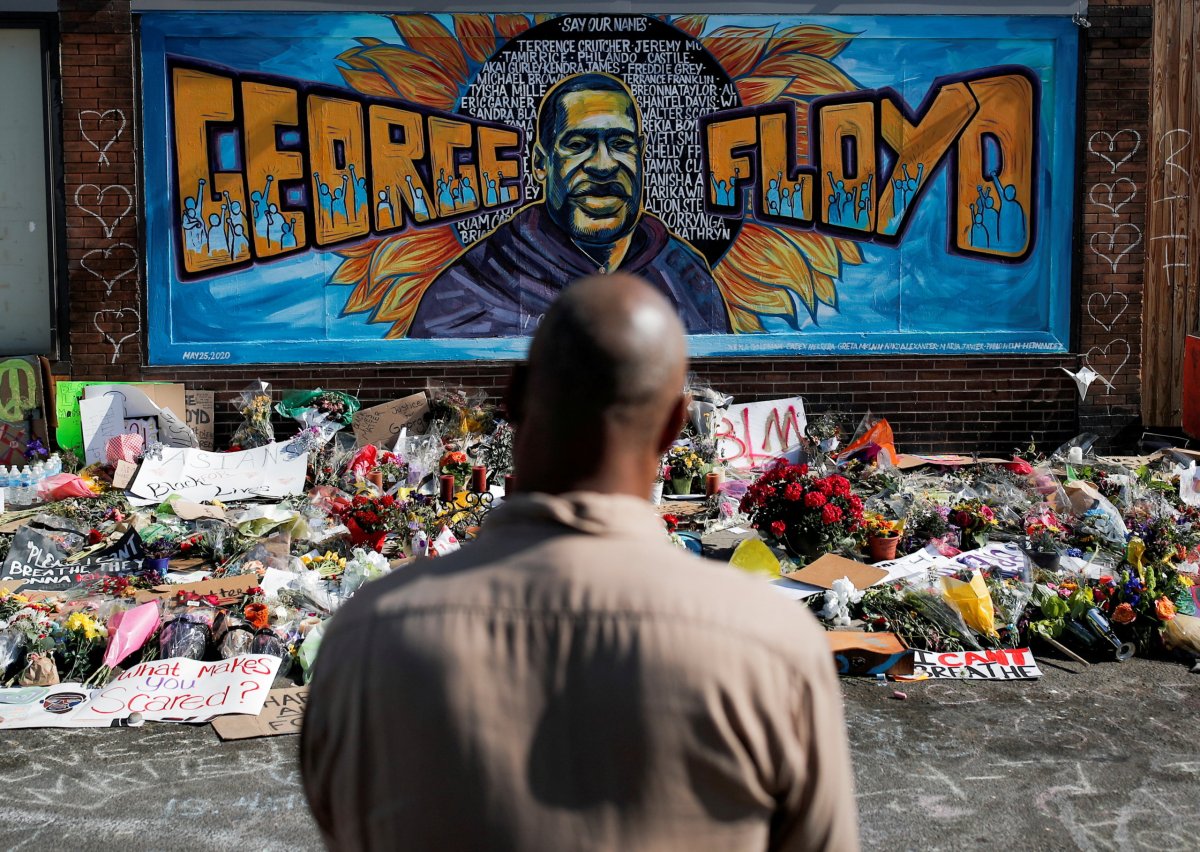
(974, 519)
(370, 519)
(804, 513)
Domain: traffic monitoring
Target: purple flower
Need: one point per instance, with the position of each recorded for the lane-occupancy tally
(35, 449)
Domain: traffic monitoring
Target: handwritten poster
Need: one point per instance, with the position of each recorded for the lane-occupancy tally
(992, 664)
(172, 690)
(751, 435)
(202, 477)
(382, 423)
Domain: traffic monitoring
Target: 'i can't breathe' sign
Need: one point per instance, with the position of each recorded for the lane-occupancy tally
(992, 664)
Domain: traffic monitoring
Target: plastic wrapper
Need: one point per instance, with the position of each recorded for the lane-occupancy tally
(703, 411)
(365, 565)
(267, 641)
(424, 455)
(337, 406)
(231, 635)
(1181, 635)
(973, 601)
(873, 430)
(458, 412)
(310, 648)
(931, 605)
(12, 651)
(63, 486)
(316, 430)
(254, 404)
(186, 634)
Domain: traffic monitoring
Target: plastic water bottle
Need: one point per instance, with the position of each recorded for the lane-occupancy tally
(5, 485)
(25, 486)
(55, 465)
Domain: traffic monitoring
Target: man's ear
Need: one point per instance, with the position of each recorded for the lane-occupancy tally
(539, 162)
(514, 397)
(674, 424)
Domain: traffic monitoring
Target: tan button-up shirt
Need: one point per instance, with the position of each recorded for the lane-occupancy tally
(572, 681)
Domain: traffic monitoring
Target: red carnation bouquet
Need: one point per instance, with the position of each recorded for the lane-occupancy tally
(370, 519)
(804, 513)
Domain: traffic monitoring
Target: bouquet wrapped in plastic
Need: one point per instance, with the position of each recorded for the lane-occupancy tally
(337, 406)
(187, 634)
(232, 635)
(254, 404)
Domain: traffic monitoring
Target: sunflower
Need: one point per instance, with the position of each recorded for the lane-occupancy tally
(768, 270)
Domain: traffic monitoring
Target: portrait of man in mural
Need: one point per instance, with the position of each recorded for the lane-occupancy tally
(588, 158)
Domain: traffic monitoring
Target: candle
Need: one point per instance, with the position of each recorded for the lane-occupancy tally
(447, 493)
(510, 484)
(712, 483)
(375, 477)
(479, 479)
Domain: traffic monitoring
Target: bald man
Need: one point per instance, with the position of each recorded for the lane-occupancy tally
(570, 680)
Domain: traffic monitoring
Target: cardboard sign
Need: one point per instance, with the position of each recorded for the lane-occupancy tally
(123, 475)
(202, 477)
(186, 510)
(198, 414)
(173, 690)
(226, 588)
(868, 654)
(128, 546)
(751, 435)
(381, 424)
(992, 664)
(823, 571)
(35, 560)
(23, 406)
(282, 713)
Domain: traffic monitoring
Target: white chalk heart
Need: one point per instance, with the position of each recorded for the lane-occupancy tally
(1120, 343)
(1108, 251)
(111, 331)
(94, 211)
(1108, 145)
(1113, 190)
(115, 119)
(109, 283)
(1107, 298)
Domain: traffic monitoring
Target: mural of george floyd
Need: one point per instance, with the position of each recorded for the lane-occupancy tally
(886, 213)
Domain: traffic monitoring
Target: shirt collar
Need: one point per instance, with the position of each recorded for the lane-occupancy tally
(582, 511)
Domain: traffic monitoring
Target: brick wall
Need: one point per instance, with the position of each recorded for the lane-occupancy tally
(991, 403)
(1113, 153)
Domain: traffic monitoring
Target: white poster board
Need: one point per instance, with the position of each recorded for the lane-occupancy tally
(751, 435)
(202, 477)
(174, 690)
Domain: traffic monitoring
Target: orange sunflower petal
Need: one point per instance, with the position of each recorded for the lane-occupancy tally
(511, 26)
(415, 77)
(368, 82)
(415, 256)
(763, 253)
(810, 38)
(405, 298)
(849, 251)
(761, 90)
(813, 75)
(738, 48)
(476, 34)
(825, 289)
(428, 35)
(820, 251)
(693, 25)
(746, 299)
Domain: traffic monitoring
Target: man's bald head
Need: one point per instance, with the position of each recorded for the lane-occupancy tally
(607, 367)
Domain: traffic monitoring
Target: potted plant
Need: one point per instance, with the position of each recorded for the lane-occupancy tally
(883, 536)
(974, 520)
(684, 466)
(1045, 536)
(804, 513)
(158, 555)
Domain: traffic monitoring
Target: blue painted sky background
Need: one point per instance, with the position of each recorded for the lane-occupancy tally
(914, 292)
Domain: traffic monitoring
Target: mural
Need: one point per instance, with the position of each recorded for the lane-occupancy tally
(350, 187)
